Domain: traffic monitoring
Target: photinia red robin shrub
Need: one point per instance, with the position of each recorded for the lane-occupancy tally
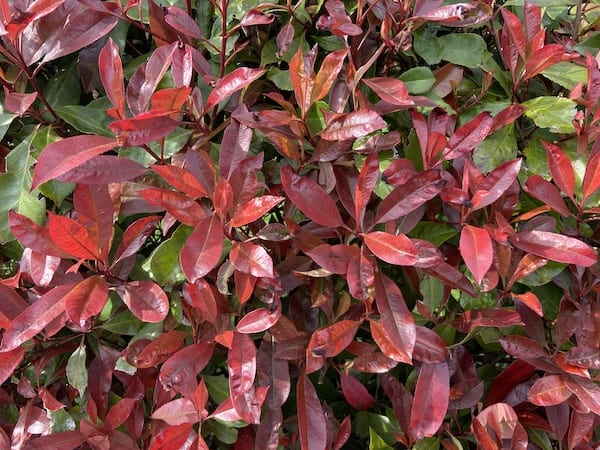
(299, 224)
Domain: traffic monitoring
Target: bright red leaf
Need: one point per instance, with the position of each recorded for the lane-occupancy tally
(431, 399)
(202, 250)
(146, 300)
(231, 83)
(477, 250)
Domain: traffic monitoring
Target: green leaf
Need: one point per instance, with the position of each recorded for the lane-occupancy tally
(464, 49)
(434, 232)
(428, 46)
(280, 78)
(376, 442)
(61, 420)
(567, 74)
(432, 290)
(124, 323)
(77, 374)
(496, 149)
(418, 80)
(430, 443)
(222, 432)
(217, 386)
(86, 119)
(163, 264)
(14, 189)
(544, 274)
(64, 88)
(5, 121)
(555, 113)
(382, 425)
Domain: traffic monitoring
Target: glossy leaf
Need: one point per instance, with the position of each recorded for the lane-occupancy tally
(72, 237)
(333, 258)
(560, 168)
(369, 174)
(477, 251)
(185, 209)
(231, 83)
(311, 420)
(177, 412)
(181, 179)
(202, 250)
(332, 340)
(328, 72)
(9, 361)
(555, 247)
(310, 198)
(390, 90)
(251, 259)
(549, 390)
(260, 319)
(353, 125)
(356, 393)
(241, 363)
(64, 155)
(586, 390)
(103, 169)
(146, 300)
(144, 128)
(111, 74)
(591, 180)
(394, 249)
(86, 299)
(546, 192)
(431, 400)
(496, 184)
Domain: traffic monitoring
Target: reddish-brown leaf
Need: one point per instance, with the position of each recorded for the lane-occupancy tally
(254, 209)
(391, 248)
(230, 83)
(496, 184)
(530, 300)
(586, 390)
(331, 340)
(549, 390)
(353, 125)
(560, 168)
(72, 237)
(64, 440)
(396, 319)
(95, 212)
(181, 179)
(545, 191)
(334, 258)
(355, 393)
(33, 320)
(251, 259)
(477, 251)
(555, 247)
(310, 198)
(177, 412)
(327, 75)
(374, 362)
(103, 169)
(86, 299)
(62, 156)
(390, 90)
(312, 425)
(369, 174)
(260, 319)
(111, 74)
(9, 360)
(146, 300)
(202, 250)
(431, 399)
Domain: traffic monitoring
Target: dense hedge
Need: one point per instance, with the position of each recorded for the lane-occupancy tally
(299, 224)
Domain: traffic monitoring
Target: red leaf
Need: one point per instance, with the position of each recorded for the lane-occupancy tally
(201, 296)
(431, 399)
(146, 300)
(457, 14)
(157, 351)
(356, 393)
(543, 58)
(11, 306)
(496, 184)
(555, 247)
(18, 103)
(33, 236)
(177, 412)
(86, 299)
(179, 372)
(254, 209)
(560, 168)
(487, 318)
(310, 198)
(549, 390)
(591, 180)
(222, 197)
(513, 28)
(234, 147)
(327, 75)
(95, 212)
(119, 413)
(241, 362)
(476, 249)
(171, 438)
(230, 83)
(546, 192)
(202, 250)
(332, 340)
(103, 169)
(391, 248)
(134, 237)
(468, 136)
(396, 319)
(374, 362)
(429, 346)
(343, 433)
(302, 77)
(144, 128)
(451, 276)
(260, 319)
(312, 425)
(65, 440)
(390, 90)
(9, 361)
(522, 347)
(409, 196)
(497, 426)
(353, 125)
(180, 206)
(251, 259)
(33, 320)
(530, 300)
(256, 17)
(62, 156)
(182, 22)
(369, 174)
(334, 258)
(181, 179)
(111, 74)
(586, 390)
(72, 237)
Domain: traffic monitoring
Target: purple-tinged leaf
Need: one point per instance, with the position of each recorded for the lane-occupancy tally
(9, 361)
(234, 148)
(586, 390)
(202, 250)
(430, 404)
(429, 346)
(310, 198)
(103, 169)
(355, 393)
(62, 156)
(146, 300)
(182, 22)
(353, 125)
(231, 83)
(500, 318)
(134, 237)
(546, 192)
(555, 247)
(312, 425)
(144, 128)
(11, 306)
(333, 258)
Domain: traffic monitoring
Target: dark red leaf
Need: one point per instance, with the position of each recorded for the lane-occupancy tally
(333, 258)
(134, 237)
(560, 168)
(327, 75)
(369, 174)
(451, 276)
(254, 209)
(516, 373)
(457, 14)
(586, 390)
(496, 184)
(72, 237)
(332, 340)
(234, 147)
(200, 295)
(256, 17)
(157, 351)
(522, 347)
(111, 74)
(146, 300)
(183, 208)
(584, 357)
(95, 211)
(549, 390)
(498, 426)
(179, 372)
(591, 180)
(477, 251)
(391, 248)
(355, 393)
(144, 128)
(390, 90)
(353, 125)
(409, 196)
(231, 83)
(260, 319)
(431, 399)
(312, 425)
(546, 192)
(343, 434)
(86, 299)
(11, 306)
(310, 198)
(429, 346)
(512, 27)
(9, 361)
(103, 169)
(62, 156)
(373, 362)
(241, 362)
(33, 320)
(65, 440)
(396, 319)
(119, 413)
(555, 247)
(488, 318)
(251, 259)
(182, 22)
